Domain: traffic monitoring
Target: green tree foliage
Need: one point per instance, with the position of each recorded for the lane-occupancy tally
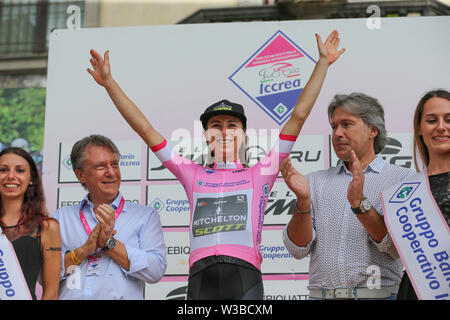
(22, 113)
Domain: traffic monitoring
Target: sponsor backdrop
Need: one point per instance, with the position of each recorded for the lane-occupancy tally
(174, 72)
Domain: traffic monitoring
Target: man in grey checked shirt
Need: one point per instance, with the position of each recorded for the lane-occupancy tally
(338, 219)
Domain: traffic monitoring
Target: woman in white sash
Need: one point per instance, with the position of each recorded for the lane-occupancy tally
(34, 236)
(432, 142)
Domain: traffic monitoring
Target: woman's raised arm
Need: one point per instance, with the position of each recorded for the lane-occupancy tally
(328, 53)
(131, 113)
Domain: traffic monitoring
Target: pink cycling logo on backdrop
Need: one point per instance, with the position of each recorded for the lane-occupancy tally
(279, 49)
(275, 75)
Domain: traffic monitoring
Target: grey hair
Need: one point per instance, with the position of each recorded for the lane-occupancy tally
(77, 155)
(366, 108)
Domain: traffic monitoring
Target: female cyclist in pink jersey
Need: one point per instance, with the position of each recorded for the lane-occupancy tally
(227, 198)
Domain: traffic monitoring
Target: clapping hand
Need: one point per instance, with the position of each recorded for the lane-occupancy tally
(105, 215)
(295, 180)
(356, 186)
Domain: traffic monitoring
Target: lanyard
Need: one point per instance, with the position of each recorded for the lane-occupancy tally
(86, 225)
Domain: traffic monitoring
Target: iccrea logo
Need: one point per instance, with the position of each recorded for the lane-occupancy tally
(67, 163)
(157, 204)
(404, 192)
(274, 76)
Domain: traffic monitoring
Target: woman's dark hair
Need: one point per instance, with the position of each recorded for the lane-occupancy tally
(33, 210)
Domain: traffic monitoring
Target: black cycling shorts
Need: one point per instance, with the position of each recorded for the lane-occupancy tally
(224, 278)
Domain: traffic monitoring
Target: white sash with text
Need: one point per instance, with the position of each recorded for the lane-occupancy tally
(421, 236)
(12, 283)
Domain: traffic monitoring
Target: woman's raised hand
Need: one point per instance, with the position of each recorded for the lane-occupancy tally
(329, 49)
(102, 68)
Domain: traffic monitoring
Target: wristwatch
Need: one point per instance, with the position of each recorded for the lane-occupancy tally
(364, 206)
(110, 244)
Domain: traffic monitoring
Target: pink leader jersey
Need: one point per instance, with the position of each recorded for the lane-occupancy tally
(227, 201)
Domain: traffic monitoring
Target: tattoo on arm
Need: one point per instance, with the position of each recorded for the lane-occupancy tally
(53, 249)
